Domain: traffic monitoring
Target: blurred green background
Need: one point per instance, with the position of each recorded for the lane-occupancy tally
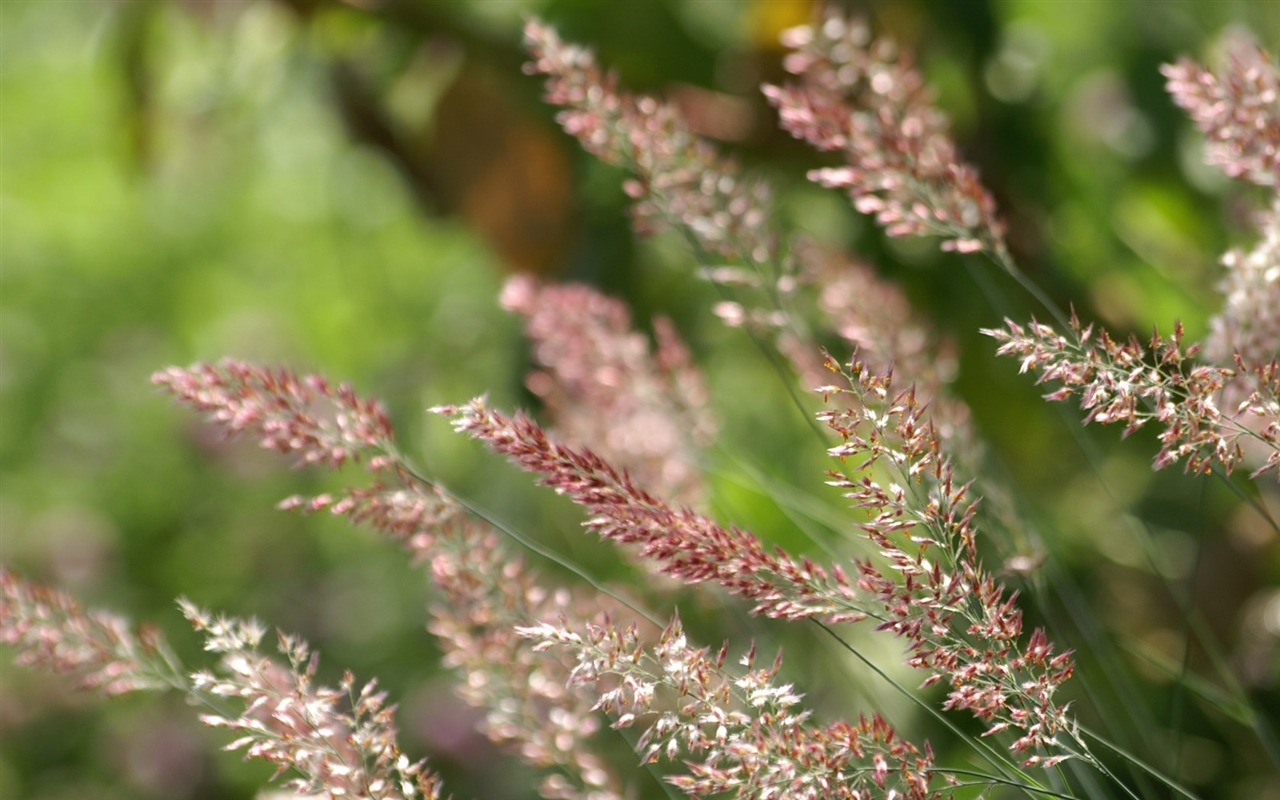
(341, 187)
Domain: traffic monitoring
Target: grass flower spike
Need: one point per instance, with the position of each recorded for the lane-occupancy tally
(737, 731)
(864, 99)
(339, 742)
(871, 517)
(1238, 109)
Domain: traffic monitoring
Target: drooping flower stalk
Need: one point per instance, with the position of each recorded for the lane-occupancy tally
(1224, 409)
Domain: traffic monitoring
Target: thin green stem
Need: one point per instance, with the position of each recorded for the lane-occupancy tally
(988, 779)
(1139, 763)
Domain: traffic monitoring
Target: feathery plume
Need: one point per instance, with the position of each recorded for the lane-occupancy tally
(959, 623)
(735, 731)
(678, 178)
(1134, 385)
(1249, 323)
(51, 630)
(684, 544)
(928, 584)
(865, 99)
(1238, 109)
(338, 742)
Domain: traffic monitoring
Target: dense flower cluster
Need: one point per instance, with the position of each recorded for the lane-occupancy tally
(339, 741)
(865, 99)
(1249, 323)
(1238, 108)
(485, 590)
(1134, 385)
(929, 586)
(682, 543)
(679, 179)
(739, 732)
(630, 421)
(50, 630)
(306, 416)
